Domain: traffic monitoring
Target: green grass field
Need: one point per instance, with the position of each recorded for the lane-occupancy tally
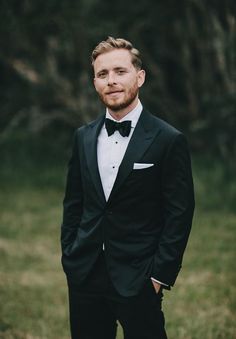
(33, 294)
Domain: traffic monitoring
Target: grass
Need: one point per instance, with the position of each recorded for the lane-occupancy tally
(33, 294)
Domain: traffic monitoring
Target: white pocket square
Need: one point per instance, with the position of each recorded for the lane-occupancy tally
(138, 166)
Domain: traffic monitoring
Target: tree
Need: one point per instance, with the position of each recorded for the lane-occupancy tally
(188, 51)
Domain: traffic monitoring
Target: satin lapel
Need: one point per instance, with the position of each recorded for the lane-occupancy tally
(143, 135)
(90, 145)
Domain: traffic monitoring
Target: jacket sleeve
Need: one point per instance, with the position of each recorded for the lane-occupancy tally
(178, 207)
(73, 200)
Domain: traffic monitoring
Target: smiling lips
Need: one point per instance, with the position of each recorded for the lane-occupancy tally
(114, 92)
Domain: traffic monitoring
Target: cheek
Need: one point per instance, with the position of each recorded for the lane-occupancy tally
(99, 88)
(133, 86)
(98, 85)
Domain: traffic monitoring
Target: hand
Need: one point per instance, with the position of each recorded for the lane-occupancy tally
(156, 285)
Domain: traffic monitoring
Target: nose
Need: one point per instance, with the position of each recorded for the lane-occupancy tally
(111, 79)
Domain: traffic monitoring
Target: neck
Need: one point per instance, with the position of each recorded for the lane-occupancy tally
(118, 115)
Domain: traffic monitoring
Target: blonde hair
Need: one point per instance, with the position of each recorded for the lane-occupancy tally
(111, 44)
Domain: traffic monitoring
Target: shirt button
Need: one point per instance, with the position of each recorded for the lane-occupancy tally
(113, 166)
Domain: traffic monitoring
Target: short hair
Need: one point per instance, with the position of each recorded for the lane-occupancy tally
(111, 44)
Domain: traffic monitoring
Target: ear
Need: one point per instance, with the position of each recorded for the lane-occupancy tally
(95, 83)
(141, 77)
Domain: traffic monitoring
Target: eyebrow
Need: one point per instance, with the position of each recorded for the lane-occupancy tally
(102, 71)
(118, 68)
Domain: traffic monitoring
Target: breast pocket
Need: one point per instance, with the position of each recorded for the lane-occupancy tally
(143, 174)
(143, 183)
(142, 166)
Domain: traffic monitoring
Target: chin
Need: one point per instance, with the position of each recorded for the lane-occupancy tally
(117, 107)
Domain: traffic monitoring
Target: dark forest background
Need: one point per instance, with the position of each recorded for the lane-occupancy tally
(188, 49)
(46, 92)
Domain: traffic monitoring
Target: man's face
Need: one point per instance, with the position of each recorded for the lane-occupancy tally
(117, 81)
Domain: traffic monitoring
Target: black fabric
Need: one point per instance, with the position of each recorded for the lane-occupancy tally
(95, 307)
(146, 221)
(123, 127)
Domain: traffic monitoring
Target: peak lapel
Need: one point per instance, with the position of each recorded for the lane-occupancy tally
(143, 135)
(90, 145)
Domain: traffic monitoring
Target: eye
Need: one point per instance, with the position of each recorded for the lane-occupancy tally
(121, 71)
(101, 75)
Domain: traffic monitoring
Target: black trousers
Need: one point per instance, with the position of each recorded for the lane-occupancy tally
(95, 308)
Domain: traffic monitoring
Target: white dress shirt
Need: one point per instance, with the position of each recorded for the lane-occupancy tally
(111, 150)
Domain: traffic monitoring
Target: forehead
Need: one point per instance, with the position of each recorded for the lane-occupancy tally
(113, 59)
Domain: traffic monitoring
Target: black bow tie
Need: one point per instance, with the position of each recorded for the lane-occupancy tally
(123, 127)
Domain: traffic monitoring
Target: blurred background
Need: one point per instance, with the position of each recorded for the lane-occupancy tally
(46, 92)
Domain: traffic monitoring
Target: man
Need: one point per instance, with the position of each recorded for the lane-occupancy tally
(128, 207)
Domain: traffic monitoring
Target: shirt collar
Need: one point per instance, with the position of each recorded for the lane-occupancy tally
(132, 115)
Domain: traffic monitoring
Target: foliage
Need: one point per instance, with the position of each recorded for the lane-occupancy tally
(33, 289)
(188, 50)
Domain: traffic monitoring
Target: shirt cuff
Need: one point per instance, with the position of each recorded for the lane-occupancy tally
(159, 282)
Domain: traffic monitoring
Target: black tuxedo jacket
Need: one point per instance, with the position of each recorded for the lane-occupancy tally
(146, 221)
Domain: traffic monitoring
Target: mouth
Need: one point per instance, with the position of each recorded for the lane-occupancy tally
(114, 92)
